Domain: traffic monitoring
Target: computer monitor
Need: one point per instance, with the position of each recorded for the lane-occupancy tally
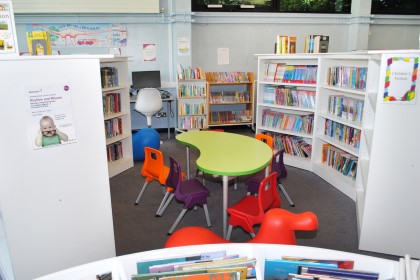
(146, 79)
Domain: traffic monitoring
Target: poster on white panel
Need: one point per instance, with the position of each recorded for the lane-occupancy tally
(50, 115)
(401, 80)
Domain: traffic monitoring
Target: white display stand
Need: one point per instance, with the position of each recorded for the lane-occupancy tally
(123, 267)
(54, 201)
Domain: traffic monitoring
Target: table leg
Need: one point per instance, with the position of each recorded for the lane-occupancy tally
(168, 116)
(188, 161)
(225, 204)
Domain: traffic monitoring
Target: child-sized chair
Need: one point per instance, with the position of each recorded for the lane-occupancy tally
(277, 227)
(250, 210)
(190, 192)
(277, 165)
(154, 169)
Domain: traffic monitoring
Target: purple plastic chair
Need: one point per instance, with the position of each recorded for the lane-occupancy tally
(277, 165)
(191, 192)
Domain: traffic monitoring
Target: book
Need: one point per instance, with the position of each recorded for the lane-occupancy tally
(143, 266)
(159, 275)
(338, 272)
(346, 264)
(285, 44)
(39, 43)
(205, 276)
(280, 269)
(316, 44)
(292, 44)
(323, 44)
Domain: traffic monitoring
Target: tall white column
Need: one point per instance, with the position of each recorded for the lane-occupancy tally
(359, 27)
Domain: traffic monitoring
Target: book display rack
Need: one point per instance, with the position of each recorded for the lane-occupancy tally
(230, 98)
(117, 117)
(355, 121)
(265, 259)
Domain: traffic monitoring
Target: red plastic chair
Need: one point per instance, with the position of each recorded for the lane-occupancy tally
(277, 165)
(250, 210)
(154, 169)
(277, 227)
(190, 192)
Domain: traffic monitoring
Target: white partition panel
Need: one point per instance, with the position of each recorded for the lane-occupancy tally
(55, 201)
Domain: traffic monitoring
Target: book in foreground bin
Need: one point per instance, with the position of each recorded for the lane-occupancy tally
(337, 272)
(278, 269)
(144, 265)
(347, 264)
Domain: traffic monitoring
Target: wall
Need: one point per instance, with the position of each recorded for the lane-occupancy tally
(245, 34)
(244, 40)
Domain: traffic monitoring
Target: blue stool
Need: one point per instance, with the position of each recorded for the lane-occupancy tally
(145, 137)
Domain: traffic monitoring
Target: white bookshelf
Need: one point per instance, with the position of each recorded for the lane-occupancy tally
(262, 104)
(388, 166)
(116, 166)
(192, 93)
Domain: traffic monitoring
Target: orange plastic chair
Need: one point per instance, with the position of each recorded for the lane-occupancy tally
(250, 210)
(277, 227)
(154, 169)
(266, 139)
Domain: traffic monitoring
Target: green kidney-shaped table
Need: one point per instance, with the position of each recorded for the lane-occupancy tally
(226, 154)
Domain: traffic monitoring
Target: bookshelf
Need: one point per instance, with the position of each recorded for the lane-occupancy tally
(117, 117)
(286, 104)
(230, 98)
(357, 139)
(192, 99)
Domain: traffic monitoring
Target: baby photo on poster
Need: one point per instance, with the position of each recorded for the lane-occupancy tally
(50, 115)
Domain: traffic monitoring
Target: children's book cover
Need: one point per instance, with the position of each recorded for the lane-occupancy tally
(277, 269)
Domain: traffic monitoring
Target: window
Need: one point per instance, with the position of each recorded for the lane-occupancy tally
(283, 6)
(396, 7)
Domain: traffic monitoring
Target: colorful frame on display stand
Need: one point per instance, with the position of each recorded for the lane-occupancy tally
(8, 40)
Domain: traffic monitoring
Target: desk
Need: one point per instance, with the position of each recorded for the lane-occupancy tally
(168, 110)
(226, 154)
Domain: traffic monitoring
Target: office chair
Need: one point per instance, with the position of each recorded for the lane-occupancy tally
(148, 103)
(276, 166)
(250, 210)
(190, 192)
(278, 227)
